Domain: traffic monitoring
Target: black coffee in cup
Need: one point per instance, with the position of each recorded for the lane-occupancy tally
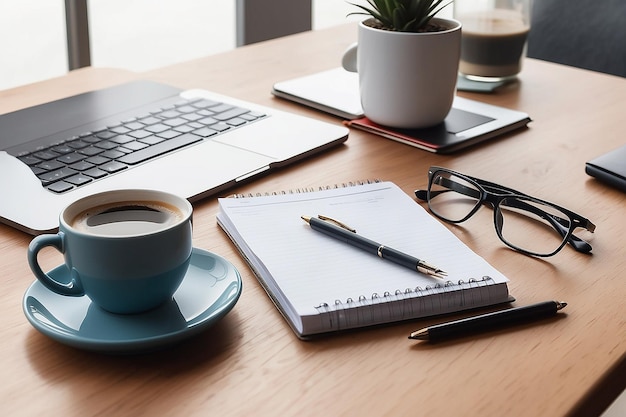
(492, 43)
(127, 218)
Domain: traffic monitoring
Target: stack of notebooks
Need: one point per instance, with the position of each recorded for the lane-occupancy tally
(469, 122)
(322, 285)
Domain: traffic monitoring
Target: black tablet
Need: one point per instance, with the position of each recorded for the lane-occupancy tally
(609, 168)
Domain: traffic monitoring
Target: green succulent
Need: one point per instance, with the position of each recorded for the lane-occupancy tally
(402, 15)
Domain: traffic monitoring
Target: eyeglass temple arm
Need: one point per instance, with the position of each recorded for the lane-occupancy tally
(577, 243)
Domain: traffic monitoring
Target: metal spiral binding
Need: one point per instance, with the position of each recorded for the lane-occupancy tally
(308, 189)
(416, 292)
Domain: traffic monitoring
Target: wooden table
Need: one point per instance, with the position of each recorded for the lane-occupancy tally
(251, 363)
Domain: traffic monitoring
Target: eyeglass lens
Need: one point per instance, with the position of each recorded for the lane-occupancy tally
(452, 197)
(522, 223)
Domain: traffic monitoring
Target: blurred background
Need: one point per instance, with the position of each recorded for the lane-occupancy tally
(137, 35)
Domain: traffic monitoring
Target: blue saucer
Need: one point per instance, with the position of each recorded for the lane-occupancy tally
(209, 290)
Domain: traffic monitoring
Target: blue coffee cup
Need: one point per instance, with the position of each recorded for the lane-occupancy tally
(127, 250)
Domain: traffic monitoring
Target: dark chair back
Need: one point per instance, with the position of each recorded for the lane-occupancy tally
(588, 34)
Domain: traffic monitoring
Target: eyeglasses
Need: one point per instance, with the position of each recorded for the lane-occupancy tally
(524, 223)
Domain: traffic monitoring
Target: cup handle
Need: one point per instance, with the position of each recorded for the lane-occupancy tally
(72, 288)
(348, 61)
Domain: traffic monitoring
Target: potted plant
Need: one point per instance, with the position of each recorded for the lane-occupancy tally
(407, 60)
(403, 15)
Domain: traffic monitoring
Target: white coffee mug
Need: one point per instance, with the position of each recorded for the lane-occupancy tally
(406, 80)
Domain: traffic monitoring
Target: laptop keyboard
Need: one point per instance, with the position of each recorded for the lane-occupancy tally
(90, 156)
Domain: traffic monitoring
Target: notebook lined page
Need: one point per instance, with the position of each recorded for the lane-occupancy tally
(307, 268)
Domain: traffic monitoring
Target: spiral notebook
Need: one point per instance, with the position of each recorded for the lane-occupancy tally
(322, 285)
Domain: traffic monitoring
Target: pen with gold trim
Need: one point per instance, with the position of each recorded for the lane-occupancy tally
(348, 235)
(489, 321)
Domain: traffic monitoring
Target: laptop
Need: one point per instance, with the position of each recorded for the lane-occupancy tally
(142, 134)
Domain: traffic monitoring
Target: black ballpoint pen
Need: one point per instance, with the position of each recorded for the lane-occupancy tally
(348, 235)
(488, 321)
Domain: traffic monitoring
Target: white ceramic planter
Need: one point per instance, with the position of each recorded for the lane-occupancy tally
(406, 80)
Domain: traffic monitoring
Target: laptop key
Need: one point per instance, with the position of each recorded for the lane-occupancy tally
(106, 135)
(106, 145)
(205, 112)
(29, 160)
(50, 165)
(122, 139)
(222, 107)
(169, 114)
(168, 134)
(176, 121)
(139, 134)
(184, 128)
(79, 179)
(96, 173)
(97, 160)
(157, 128)
(192, 116)
(135, 146)
(120, 130)
(91, 151)
(46, 155)
(235, 112)
(71, 158)
(78, 144)
(251, 116)
(149, 120)
(57, 175)
(208, 121)
(135, 125)
(185, 109)
(62, 149)
(113, 153)
(237, 121)
(90, 139)
(81, 166)
(37, 171)
(112, 167)
(152, 140)
(60, 187)
(205, 132)
(220, 127)
(159, 149)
